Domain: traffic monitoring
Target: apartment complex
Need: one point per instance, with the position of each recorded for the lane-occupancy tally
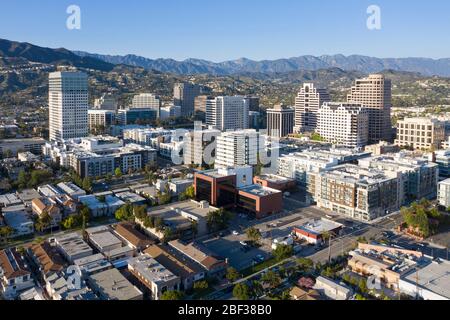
(417, 177)
(68, 105)
(280, 121)
(307, 103)
(343, 124)
(374, 93)
(420, 133)
(184, 95)
(100, 156)
(355, 192)
(227, 113)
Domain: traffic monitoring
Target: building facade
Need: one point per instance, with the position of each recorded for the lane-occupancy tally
(227, 113)
(184, 95)
(68, 105)
(307, 103)
(343, 124)
(420, 133)
(374, 93)
(280, 121)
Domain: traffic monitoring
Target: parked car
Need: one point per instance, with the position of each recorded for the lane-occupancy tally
(235, 233)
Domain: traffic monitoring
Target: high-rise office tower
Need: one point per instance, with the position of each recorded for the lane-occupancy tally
(184, 95)
(68, 105)
(343, 124)
(280, 121)
(307, 104)
(227, 113)
(374, 93)
(147, 101)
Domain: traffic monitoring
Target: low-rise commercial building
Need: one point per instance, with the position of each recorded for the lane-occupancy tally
(212, 263)
(73, 247)
(153, 275)
(313, 232)
(188, 270)
(430, 281)
(112, 285)
(275, 182)
(134, 238)
(389, 264)
(71, 190)
(93, 264)
(14, 146)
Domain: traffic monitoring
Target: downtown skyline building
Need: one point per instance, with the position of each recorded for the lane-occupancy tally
(68, 105)
(375, 94)
(280, 121)
(344, 124)
(184, 95)
(227, 113)
(307, 103)
(147, 101)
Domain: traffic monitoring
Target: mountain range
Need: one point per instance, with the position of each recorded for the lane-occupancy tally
(364, 64)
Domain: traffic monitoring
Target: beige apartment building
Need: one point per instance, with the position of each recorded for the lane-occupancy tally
(420, 133)
(344, 124)
(374, 93)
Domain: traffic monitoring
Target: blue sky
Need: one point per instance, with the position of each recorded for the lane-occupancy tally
(230, 29)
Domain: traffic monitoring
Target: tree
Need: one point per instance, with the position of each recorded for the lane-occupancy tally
(189, 193)
(241, 291)
(271, 278)
(6, 232)
(125, 213)
(22, 180)
(201, 286)
(194, 227)
(362, 285)
(218, 220)
(140, 212)
(159, 223)
(253, 235)
(118, 173)
(87, 185)
(305, 264)
(256, 289)
(172, 295)
(232, 274)
(307, 283)
(168, 234)
(69, 223)
(283, 252)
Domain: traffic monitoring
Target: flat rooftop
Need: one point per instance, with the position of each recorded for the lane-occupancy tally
(259, 190)
(73, 244)
(151, 270)
(112, 285)
(321, 226)
(9, 199)
(130, 197)
(275, 178)
(434, 277)
(105, 239)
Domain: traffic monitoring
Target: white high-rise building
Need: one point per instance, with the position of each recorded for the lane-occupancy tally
(344, 124)
(280, 121)
(147, 101)
(237, 148)
(228, 113)
(307, 104)
(68, 105)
